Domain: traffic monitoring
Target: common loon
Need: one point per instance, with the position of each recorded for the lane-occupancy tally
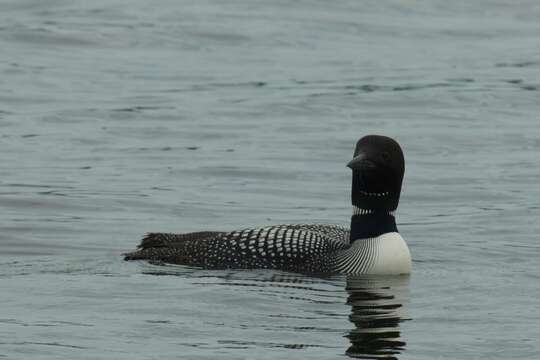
(371, 246)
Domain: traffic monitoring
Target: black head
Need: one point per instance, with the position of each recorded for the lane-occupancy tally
(378, 166)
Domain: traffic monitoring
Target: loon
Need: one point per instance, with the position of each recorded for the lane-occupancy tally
(371, 246)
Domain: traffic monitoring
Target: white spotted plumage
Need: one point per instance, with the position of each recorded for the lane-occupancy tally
(299, 248)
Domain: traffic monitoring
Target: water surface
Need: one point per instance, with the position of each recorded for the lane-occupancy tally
(123, 117)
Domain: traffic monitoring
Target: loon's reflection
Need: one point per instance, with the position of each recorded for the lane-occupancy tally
(376, 304)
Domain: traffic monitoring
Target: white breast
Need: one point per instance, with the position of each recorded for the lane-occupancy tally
(392, 256)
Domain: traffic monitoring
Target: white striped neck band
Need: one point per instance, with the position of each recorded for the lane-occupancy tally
(360, 211)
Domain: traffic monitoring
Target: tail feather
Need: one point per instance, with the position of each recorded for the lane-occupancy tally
(153, 254)
(153, 240)
(165, 246)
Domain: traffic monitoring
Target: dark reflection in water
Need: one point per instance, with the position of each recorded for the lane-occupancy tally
(376, 311)
(376, 308)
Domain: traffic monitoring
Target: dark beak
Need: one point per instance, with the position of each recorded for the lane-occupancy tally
(361, 162)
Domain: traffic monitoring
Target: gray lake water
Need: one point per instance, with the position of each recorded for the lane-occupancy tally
(123, 117)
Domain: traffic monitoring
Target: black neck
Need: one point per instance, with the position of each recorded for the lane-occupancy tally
(372, 225)
(385, 199)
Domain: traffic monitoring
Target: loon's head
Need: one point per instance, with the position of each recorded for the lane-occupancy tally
(378, 166)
